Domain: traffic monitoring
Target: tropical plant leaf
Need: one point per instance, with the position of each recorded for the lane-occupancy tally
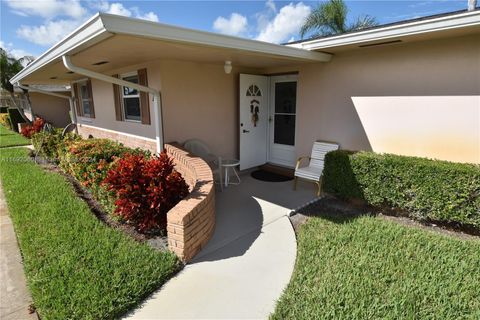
(363, 22)
(330, 18)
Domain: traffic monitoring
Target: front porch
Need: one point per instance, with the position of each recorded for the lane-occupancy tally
(247, 263)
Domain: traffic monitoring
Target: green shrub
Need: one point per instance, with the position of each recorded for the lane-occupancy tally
(428, 189)
(89, 161)
(48, 144)
(15, 118)
(5, 120)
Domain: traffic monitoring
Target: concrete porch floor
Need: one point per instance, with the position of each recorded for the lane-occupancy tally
(245, 266)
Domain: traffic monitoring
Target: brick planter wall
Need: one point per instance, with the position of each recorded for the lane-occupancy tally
(190, 224)
(127, 140)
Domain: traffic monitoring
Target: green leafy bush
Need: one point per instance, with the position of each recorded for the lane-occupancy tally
(48, 144)
(15, 118)
(5, 120)
(89, 161)
(428, 189)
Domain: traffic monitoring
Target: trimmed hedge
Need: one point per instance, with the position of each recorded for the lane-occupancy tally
(427, 189)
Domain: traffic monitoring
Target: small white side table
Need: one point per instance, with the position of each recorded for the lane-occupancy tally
(230, 164)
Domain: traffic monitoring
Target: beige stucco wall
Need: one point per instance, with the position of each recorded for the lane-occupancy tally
(418, 99)
(199, 101)
(54, 110)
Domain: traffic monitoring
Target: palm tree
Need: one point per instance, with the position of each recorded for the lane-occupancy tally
(330, 18)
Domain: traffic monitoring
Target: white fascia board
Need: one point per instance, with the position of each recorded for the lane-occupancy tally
(158, 31)
(395, 31)
(89, 33)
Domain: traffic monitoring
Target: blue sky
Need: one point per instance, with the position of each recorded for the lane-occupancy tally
(31, 27)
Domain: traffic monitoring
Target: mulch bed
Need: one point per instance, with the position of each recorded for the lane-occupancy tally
(332, 206)
(154, 241)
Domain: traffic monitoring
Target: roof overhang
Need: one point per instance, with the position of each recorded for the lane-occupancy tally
(420, 29)
(122, 32)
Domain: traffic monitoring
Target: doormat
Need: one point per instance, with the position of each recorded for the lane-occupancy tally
(269, 176)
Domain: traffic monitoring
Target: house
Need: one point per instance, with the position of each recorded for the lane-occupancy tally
(53, 106)
(410, 88)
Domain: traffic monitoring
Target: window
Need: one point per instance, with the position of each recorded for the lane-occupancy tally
(254, 91)
(131, 99)
(131, 104)
(83, 91)
(85, 99)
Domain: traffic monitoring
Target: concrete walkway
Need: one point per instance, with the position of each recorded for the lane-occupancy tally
(15, 298)
(247, 264)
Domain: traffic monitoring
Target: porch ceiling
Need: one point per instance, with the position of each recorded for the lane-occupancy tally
(126, 42)
(123, 50)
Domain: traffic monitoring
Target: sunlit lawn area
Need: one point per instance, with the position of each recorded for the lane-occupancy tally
(369, 268)
(76, 266)
(10, 138)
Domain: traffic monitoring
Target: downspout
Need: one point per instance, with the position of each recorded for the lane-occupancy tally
(157, 104)
(70, 99)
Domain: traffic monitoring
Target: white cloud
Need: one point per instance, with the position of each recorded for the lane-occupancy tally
(101, 6)
(53, 30)
(48, 33)
(47, 8)
(271, 5)
(286, 23)
(118, 8)
(150, 16)
(264, 17)
(14, 52)
(235, 25)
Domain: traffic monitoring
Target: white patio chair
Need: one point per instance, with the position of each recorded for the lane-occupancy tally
(200, 149)
(314, 170)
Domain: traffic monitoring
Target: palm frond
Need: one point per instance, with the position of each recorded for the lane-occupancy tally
(363, 22)
(328, 18)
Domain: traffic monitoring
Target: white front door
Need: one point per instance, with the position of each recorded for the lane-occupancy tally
(254, 113)
(283, 109)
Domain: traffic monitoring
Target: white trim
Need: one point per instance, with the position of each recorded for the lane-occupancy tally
(102, 26)
(157, 99)
(271, 123)
(88, 34)
(159, 31)
(133, 96)
(118, 132)
(460, 20)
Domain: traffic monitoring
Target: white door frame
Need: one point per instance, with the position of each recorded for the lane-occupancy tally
(290, 149)
(254, 153)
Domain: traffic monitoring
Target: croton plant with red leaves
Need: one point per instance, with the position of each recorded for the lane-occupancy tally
(35, 127)
(145, 189)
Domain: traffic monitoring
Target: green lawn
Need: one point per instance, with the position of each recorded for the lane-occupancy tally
(369, 268)
(10, 138)
(76, 267)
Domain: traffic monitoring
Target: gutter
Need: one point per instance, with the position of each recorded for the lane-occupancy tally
(157, 99)
(395, 30)
(70, 99)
